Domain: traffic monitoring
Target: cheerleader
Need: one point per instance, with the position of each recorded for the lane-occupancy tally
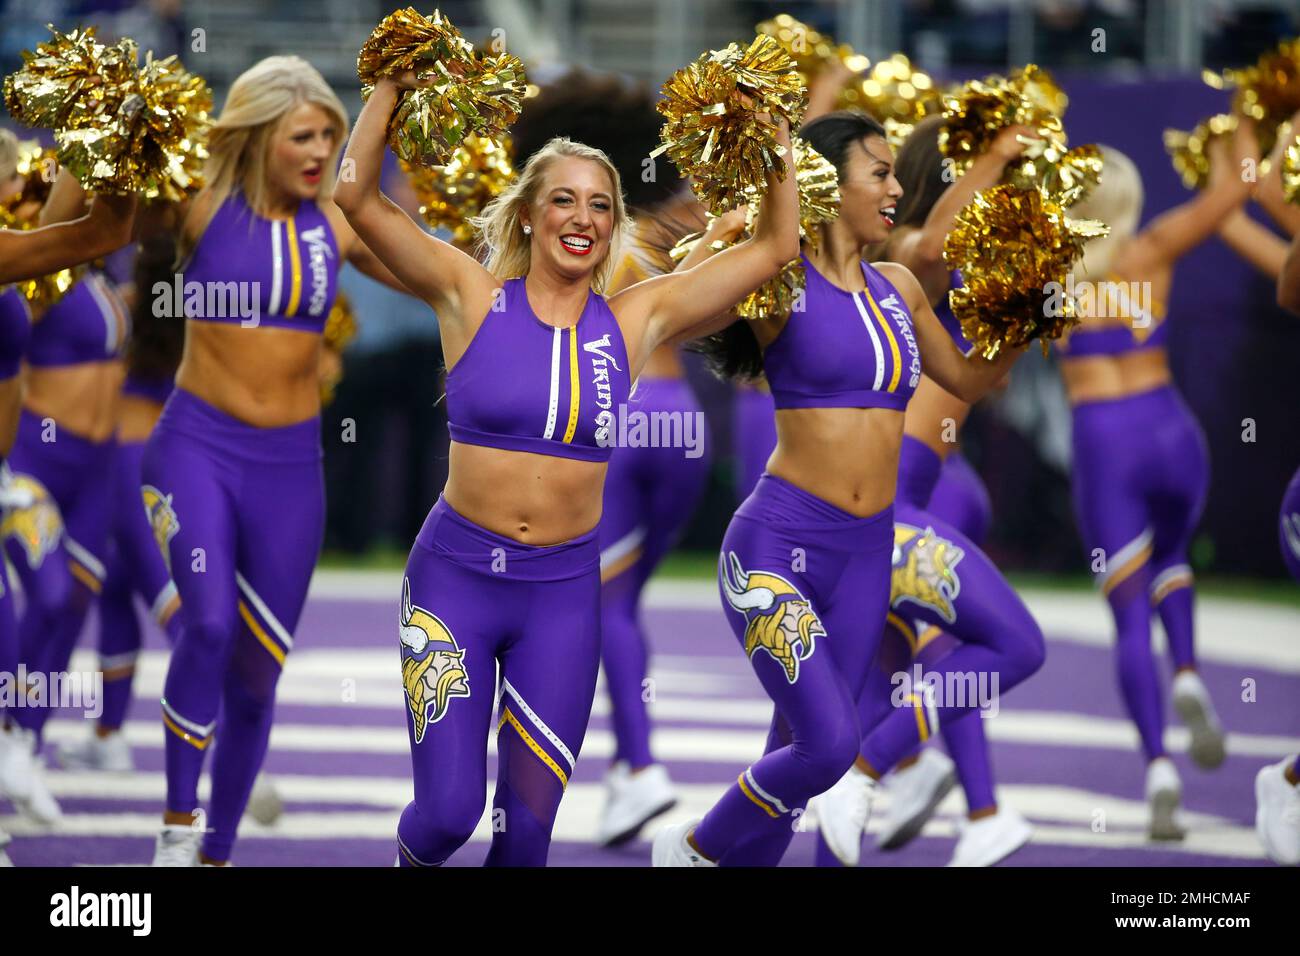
(231, 472)
(1141, 469)
(135, 565)
(934, 478)
(506, 570)
(65, 448)
(806, 563)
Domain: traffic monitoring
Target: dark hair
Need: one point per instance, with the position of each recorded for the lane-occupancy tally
(919, 168)
(734, 352)
(608, 112)
(155, 347)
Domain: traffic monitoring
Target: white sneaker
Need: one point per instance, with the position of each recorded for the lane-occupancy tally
(842, 814)
(1164, 794)
(5, 840)
(178, 845)
(111, 754)
(264, 803)
(670, 847)
(989, 840)
(633, 800)
(22, 777)
(1277, 813)
(915, 792)
(1196, 710)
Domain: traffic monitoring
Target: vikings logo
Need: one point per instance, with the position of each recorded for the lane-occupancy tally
(779, 619)
(923, 570)
(432, 672)
(163, 520)
(30, 517)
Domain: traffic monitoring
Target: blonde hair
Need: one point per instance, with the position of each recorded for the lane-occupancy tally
(8, 155)
(1117, 201)
(505, 249)
(240, 142)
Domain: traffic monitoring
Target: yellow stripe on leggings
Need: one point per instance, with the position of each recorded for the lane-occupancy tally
(744, 787)
(903, 628)
(91, 582)
(922, 727)
(272, 648)
(1124, 573)
(198, 743)
(533, 745)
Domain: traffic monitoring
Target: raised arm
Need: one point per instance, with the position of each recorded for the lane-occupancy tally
(921, 250)
(66, 201)
(966, 378)
(454, 284)
(1174, 233)
(1257, 244)
(684, 304)
(27, 255)
(1269, 193)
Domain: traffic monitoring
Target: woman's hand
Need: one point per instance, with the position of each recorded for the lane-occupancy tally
(728, 227)
(1012, 142)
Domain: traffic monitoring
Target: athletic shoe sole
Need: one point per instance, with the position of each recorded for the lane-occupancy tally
(997, 855)
(912, 828)
(1163, 825)
(1207, 750)
(626, 836)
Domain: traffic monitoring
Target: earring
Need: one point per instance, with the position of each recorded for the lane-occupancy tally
(528, 230)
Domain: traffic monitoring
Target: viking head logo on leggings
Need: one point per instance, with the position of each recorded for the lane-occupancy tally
(432, 672)
(779, 619)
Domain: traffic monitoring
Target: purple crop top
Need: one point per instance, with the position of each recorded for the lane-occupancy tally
(845, 349)
(1133, 333)
(523, 385)
(15, 330)
(89, 324)
(285, 270)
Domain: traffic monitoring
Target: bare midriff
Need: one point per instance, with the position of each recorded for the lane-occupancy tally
(80, 398)
(264, 377)
(845, 456)
(11, 404)
(533, 499)
(1097, 378)
(136, 419)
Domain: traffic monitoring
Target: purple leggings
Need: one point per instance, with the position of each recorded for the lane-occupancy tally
(480, 612)
(1141, 471)
(61, 574)
(807, 587)
(240, 512)
(135, 567)
(650, 494)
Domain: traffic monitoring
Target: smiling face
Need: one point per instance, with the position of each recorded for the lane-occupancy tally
(869, 191)
(301, 146)
(572, 216)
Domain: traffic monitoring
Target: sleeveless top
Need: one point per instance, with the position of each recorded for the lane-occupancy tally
(523, 385)
(89, 324)
(1138, 328)
(15, 331)
(845, 349)
(281, 273)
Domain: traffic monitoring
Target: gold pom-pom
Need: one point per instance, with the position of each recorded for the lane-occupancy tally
(1291, 172)
(712, 131)
(69, 81)
(340, 324)
(452, 194)
(897, 94)
(38, 167)
(1268, 91)
(1015, 249)
(1190, 151)
(819, 202)
(470, 93)
(814, 53)
(121, 130)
